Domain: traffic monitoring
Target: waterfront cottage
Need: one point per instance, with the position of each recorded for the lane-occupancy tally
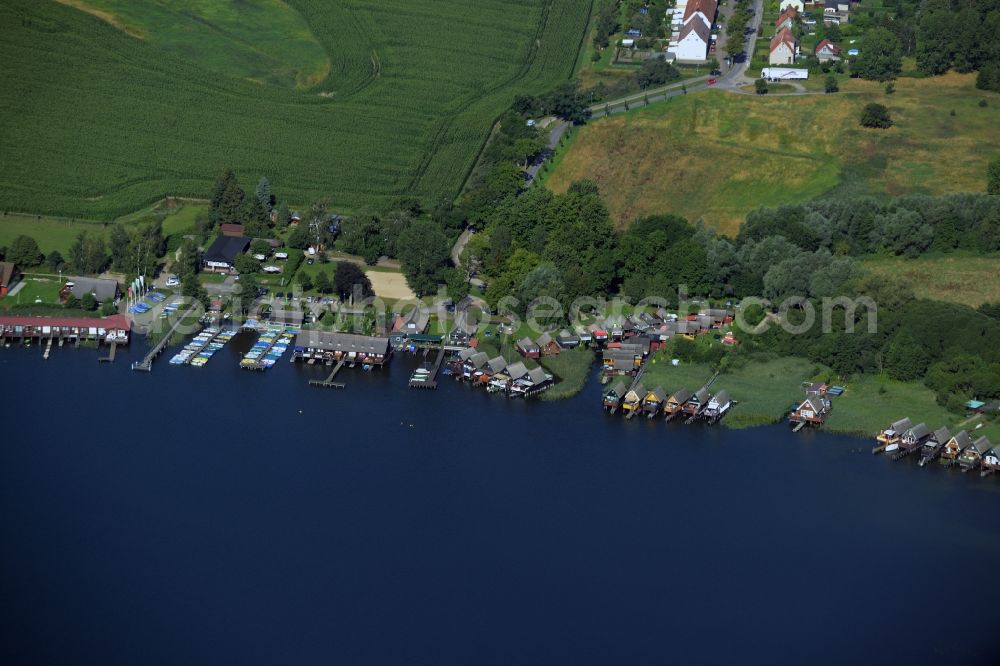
(547, 346)
(698, 402)
(915, 436)
(893, 433)
(973, 455)
(333, 347)
(812, 410)
(718, 406)
(614, 395)
(654, 400)
(633, 398)
(991, 461)
(568, 340)
(527, 348)
(933, 445)
(955, 446)
(675, 403)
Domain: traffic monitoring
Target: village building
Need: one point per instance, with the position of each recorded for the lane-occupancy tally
(956, 445)
(827, 51)
(718, 406)
(113, 329)
(973, 455)
(933, 445)
(103, 290)
(837, 11)
(654, 400)
(10, 274)
(220, 257)
(231, 230)
(698, 402)
(797, 5)
(787, 19)
(333, 347)
(783, 48)
(702, 11)
(812, 411)
(693, 41)
(894, 433)
(568, 340)
(632, 400)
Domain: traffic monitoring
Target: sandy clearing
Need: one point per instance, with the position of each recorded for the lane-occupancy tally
(390, 285)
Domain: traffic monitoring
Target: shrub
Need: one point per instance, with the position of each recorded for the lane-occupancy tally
(876, 116)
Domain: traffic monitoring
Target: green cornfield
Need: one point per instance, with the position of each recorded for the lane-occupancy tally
(97, 121)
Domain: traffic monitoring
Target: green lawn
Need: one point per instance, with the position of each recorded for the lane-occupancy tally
(98, 122)
(959, 278)
(715, 156)
(41, 290)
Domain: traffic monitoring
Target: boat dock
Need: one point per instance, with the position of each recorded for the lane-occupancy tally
(426, 378)
(146, 364)
(270, 347)
(328, 382)
(110, 358)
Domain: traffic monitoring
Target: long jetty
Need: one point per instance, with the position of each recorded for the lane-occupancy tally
(146, 364)
(431, 381)
(110, 358)
(328, 382)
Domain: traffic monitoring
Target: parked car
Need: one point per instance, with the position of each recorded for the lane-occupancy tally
(173, 281)
(711, 81)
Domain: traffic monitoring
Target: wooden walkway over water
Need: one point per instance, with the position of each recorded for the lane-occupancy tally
(328, 382)
(428, 380)
(146, 364)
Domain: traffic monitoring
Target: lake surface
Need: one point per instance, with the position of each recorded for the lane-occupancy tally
(213, 515)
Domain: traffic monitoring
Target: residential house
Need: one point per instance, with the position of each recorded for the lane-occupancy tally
(220, 257)
(783, 48)
(9, 276)
(797, 5)
(407, 324)
(702, 11)
(103, 291)
(787, 19)
(991, 461)
(692, 44)
(837, 11)
(527, 348)
(827, 51)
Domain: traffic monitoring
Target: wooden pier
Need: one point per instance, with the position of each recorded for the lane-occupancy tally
(328, 382)
(431, 381)
(110, 358)
(146, 364)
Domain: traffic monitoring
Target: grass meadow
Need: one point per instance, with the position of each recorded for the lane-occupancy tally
(714, 156)
(957, 278)
(135, 106)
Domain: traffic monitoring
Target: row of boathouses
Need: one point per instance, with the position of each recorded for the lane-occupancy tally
(903, 438)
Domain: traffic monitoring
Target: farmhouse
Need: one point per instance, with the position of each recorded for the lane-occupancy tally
(782, 48)
(787, 19)
(9, 275)
(220, 257)
(103, 291)
(692, 45)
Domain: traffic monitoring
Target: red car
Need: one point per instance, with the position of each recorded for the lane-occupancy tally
(711, 82)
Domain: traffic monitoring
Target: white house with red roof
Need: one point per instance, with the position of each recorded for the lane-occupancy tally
(701, 10)
(827, 51)
(782, 48)
(692, 46)
(787, 19)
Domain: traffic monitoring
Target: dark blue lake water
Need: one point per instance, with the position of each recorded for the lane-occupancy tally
(218, 516)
